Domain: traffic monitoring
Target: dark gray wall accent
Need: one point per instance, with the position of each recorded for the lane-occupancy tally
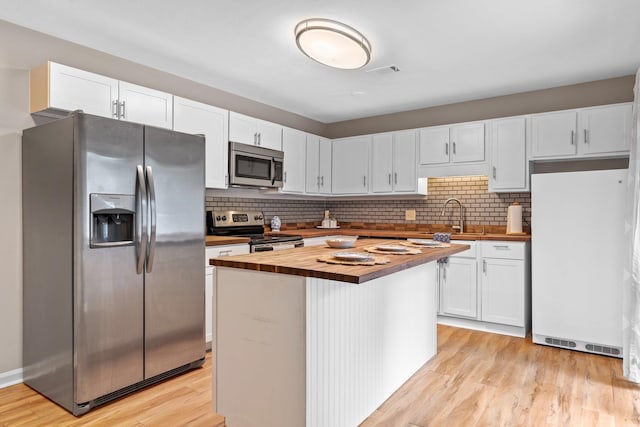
(609, 91)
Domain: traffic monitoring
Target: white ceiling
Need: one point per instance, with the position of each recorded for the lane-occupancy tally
(447, 50)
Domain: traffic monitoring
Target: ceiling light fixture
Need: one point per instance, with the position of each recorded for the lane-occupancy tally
(333, 43)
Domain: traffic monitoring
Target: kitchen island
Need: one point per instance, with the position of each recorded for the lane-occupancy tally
(306, 343)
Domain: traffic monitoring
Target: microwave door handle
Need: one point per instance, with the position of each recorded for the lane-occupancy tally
(151, 189)
(273, 171)
(141, 219)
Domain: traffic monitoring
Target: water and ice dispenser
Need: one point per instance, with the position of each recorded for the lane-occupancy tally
(112, 220)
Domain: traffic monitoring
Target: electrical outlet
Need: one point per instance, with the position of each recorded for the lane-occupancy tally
(410, 215)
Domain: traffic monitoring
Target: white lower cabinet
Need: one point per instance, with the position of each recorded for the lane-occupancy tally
(457, 279)
(487, 288)
(210, 285)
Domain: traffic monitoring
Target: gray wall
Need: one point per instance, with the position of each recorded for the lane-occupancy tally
(600, 92)
(23, 49)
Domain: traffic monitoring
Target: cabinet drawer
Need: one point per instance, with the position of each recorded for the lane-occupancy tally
(225, 250)
(506, 250)
(469, 253)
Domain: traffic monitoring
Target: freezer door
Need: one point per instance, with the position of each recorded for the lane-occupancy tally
(108, 294)
(174, 283)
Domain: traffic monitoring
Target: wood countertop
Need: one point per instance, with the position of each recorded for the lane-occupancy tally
(225, 240)
(311, 232)
(304, 262)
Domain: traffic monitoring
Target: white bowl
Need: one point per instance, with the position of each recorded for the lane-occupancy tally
(341, 243)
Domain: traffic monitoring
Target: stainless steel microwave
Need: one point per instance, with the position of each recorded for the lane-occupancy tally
(254, 166)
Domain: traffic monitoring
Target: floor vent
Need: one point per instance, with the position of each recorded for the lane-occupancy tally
(603, 349)
(560, 343)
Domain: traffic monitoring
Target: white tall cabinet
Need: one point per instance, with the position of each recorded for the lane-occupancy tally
(294, 145)
(318, 165)
(508, 155)
(196, 117)
(350, 170)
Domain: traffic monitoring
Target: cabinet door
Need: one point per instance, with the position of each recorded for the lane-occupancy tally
(325, 166)
(71, 89)
(605, 130)
(553, 135)
(503, 291)
(143, 105)
(434, 145)
(294, 146)
(212, 122)
(382, 163)
(508, 160)
(350, 165)
(458, 287)
(312, 181)
(467, 143)
(404, 162)
(269, 135)
(243, 129)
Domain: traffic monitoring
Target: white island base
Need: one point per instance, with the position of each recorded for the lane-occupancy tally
(296, 351)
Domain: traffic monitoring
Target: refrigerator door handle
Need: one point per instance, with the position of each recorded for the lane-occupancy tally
(141, 219)
(152, 215)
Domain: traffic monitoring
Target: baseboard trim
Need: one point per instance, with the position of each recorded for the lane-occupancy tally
(10, 378)
(477, 325)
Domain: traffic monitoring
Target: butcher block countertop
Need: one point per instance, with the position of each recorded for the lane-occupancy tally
(311, 232)
(225, 240)
(304, 262)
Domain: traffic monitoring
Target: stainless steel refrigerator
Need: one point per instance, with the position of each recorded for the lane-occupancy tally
(113, 244)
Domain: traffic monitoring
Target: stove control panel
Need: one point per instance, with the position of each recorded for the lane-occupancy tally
(236, 218)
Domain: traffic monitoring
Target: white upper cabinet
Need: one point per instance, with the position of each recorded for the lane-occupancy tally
(198, 118)
(508, 155)
(143, 105)
(56, 89)
(452, 144)
(318, 165)
(434, 145)
(294, 145)
(553, 134)
(382, 163)
(350, 165)
(249, 130)
(587, 132)
(605, 130)
(393, 163)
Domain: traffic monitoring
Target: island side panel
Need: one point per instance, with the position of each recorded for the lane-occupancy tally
(364, 341)
(259, 364)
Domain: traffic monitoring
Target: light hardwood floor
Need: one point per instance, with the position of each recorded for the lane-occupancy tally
(477, 379)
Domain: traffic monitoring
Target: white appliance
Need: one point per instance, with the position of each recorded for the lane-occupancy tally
(577, 255)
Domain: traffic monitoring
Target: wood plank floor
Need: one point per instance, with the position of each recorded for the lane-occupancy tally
(477, 379)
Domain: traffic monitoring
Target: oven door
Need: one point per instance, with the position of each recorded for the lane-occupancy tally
(255, 166)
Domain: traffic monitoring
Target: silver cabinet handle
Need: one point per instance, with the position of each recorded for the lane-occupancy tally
(395, 177)
(115, 109)
(285, 176)
(501, 247)
(141, 219)
(446, 148)
(389, 179)
(255, 138)
(151, 254)
(322, 180)
(454, 147)
(364, 181)
(586, 137)
(259, 138)
(572, 136)
(484, 266)
(318, 181)
(226, 252)
(494, 172)
(123, 114)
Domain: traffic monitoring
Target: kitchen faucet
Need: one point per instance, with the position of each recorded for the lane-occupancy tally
(460, 227)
